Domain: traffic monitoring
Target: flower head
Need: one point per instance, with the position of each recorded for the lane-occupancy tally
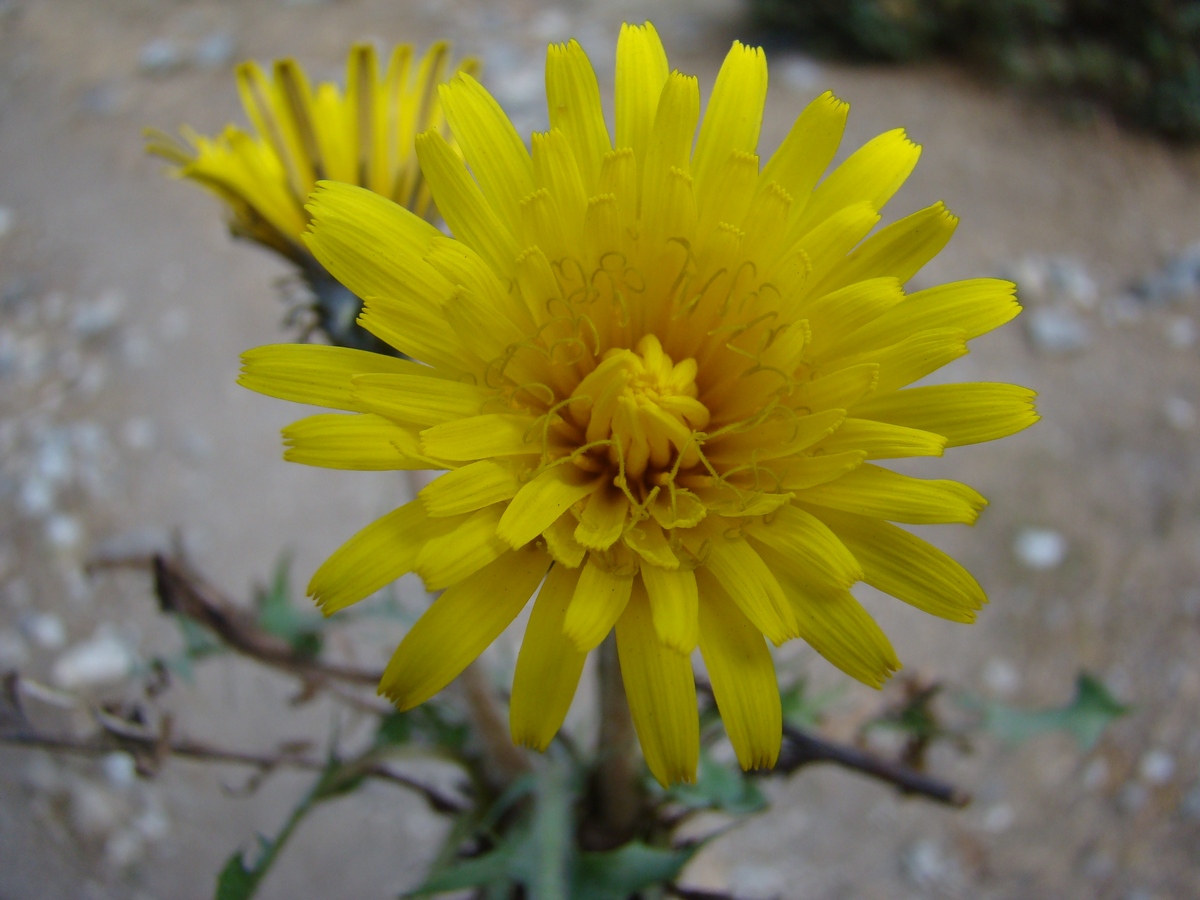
(659, 374)
(301, 135)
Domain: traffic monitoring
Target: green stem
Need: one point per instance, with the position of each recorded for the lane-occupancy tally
(617, 776)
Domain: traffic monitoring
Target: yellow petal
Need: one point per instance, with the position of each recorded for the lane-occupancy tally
(807, 150)
(548, 666)
(908, 360)
(901, 564)
(973, 307)
(963, 413)
(480, 437)
(363, 442)
(662, 695)
(449, 558)
(839, 390)
(558, 174)
(732, 118)
(641, 74)
(470, 488)
(742, 675)
(573, 98)
(561, 543)
(665, 178)
(828, 240)
(376, 556)
(672, 595)
(872, 173)
(879, 440)
(646, 538)
(808, 541)
(461, 203)
(600, 597)
(799, 473)
(884, 494)
(490, 143)
(418, 399)
(314, 373)
(898, 251)
(845, 310)
(541, 501)
(744, 576)
(459, 625)
(603, 518)
(834, 624)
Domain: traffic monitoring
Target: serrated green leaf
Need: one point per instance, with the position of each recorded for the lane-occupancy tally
(1085, 717)
(804, 710)
(719, 787)
(616, 874)
(552, 837)
(494, 869)
(278, 616)
(239, 882)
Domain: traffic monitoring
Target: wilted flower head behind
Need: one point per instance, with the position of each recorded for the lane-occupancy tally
(659, 378)
(363, 135)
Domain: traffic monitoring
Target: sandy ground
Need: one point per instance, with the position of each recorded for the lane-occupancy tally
(124, 308)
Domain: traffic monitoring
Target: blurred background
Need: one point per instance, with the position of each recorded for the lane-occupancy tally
(124, 305)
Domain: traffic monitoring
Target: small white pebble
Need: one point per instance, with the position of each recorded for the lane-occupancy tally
(1001, 677)
(119, 769)
(1095, 775)
(13, 652)
(100, 660)
(1180, 413)
(1040, 549)
(46, 630)
(1181, 332)
(998, 818)
(1157, 767)
(64, 532)
(139, 434)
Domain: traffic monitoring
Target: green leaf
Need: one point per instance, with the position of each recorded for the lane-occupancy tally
(719, 787)
(1085, 717)
(804, 711)
(394, 729)
(552, 834)
(277, 615)
(492, 869)
(616, 874)
(238, 881)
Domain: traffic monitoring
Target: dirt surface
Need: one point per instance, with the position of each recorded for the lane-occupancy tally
(125, 306)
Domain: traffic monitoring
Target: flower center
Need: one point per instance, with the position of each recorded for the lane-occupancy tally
(644, 406)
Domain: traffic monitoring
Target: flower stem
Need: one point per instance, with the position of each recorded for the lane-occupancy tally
(619, 796)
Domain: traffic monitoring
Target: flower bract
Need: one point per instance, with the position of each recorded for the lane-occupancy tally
(660, 374)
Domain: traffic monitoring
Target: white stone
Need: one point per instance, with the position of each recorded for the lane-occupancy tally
(1156, 767)
(139, 434)
(101, 660)
(64, 532)
(1040, 549)
(174, 323)
(1056, 331)
(997, 818)
(37, 496)
(13, 653)
(1001, 678)
(1181, 332)
(1180, 413)
(92, 811)
(46, 630)
(95, 317)
(120, 770)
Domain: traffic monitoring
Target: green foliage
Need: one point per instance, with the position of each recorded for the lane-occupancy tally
(804, 710)
(239, 880)
(1085, 717)
(1141, 57)
(277, 615)
(198, 644)
(617, 874)
(719, 786)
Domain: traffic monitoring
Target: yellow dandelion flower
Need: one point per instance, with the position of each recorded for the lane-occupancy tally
(659, 376)
(302, 135)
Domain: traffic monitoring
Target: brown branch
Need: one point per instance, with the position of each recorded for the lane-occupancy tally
(801, 749)
(184, 592)
(118, 734)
